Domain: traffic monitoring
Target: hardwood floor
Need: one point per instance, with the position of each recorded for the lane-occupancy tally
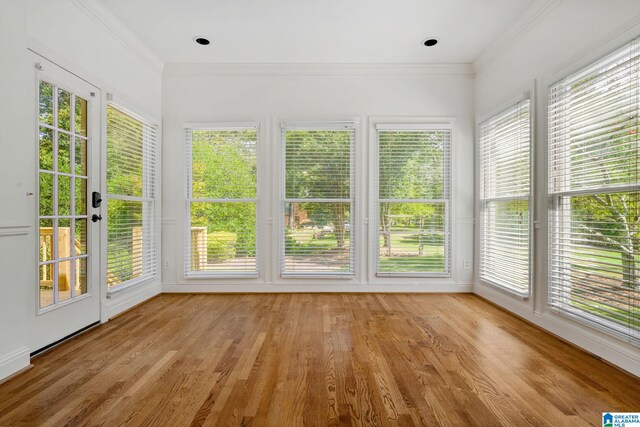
(315, 360)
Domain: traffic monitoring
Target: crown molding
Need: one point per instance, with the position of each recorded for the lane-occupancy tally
(538, 10)
(603, 46)
(100, 14)
(212, 69)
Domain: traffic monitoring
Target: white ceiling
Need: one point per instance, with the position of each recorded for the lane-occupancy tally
(318, 31)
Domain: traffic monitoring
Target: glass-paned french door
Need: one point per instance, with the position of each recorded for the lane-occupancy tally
(63, 194)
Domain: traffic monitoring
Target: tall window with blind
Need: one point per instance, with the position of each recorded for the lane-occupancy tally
(317, 233)
(131, 176)
(221, 201)
(505, 164)
(594, 169)
(413, 200)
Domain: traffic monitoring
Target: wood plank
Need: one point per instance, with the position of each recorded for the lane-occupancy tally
(316, 359)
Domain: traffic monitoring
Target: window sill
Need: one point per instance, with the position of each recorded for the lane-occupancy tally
(505, 290)
(114, 290)
(196, 276)
(341, 276)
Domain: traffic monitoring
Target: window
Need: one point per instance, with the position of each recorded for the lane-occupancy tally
(317, 233)
(594, 167)
(221, 201)
(413, 200)
(505, 158)
(131, 177)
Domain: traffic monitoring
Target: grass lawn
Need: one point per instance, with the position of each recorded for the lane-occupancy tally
(405, 256)
(303, 242)
(614, 314)
(596, 262)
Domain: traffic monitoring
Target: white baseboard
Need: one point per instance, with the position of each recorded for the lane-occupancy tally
(243, 288)
(607, 347)
(127, 298)
(14, 362)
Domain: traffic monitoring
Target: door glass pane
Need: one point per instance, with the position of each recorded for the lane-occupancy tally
(81, 156)
(81, 276)
(80, 243)
(64, 153)
(64, 280)
(45, 103)
(64, 238)
(81, 196)
(46, 241)
(81, 116)
(64, 110)
(46, 149)
(47, 274)
(46, 194)
(64, 195)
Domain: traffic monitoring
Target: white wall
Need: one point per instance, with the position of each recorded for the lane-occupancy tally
(78, 36)
(15, 232)
(566, 36)
(270, 94)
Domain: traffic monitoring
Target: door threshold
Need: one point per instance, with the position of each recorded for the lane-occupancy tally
(63, 339)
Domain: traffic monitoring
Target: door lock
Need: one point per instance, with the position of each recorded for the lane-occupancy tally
(96, 199)
(96, 218)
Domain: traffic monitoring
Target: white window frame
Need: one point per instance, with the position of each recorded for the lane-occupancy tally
(226, 126)
(150, 218)
(553, 199)
(353, 200)
(447, 124)
(525, 97)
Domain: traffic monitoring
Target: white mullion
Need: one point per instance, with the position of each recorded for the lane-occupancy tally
(72, 197)
(54, 191)
(70, 175)
(53, 261)
(596, 191)
(55, 125)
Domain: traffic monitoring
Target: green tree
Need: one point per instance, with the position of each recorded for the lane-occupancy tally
(224, 167)
(318, 165)
(609, 151)
(411, 166)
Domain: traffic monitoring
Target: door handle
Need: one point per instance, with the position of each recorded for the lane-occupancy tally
(96, 218)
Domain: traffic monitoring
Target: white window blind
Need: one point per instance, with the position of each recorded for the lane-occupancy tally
(595, 192)
(413, 201)
(505, 164)
(317, 233)
(221, 201)
(131, 177)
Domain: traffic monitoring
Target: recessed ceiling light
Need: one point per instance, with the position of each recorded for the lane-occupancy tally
(430, 42)
(201, 40)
